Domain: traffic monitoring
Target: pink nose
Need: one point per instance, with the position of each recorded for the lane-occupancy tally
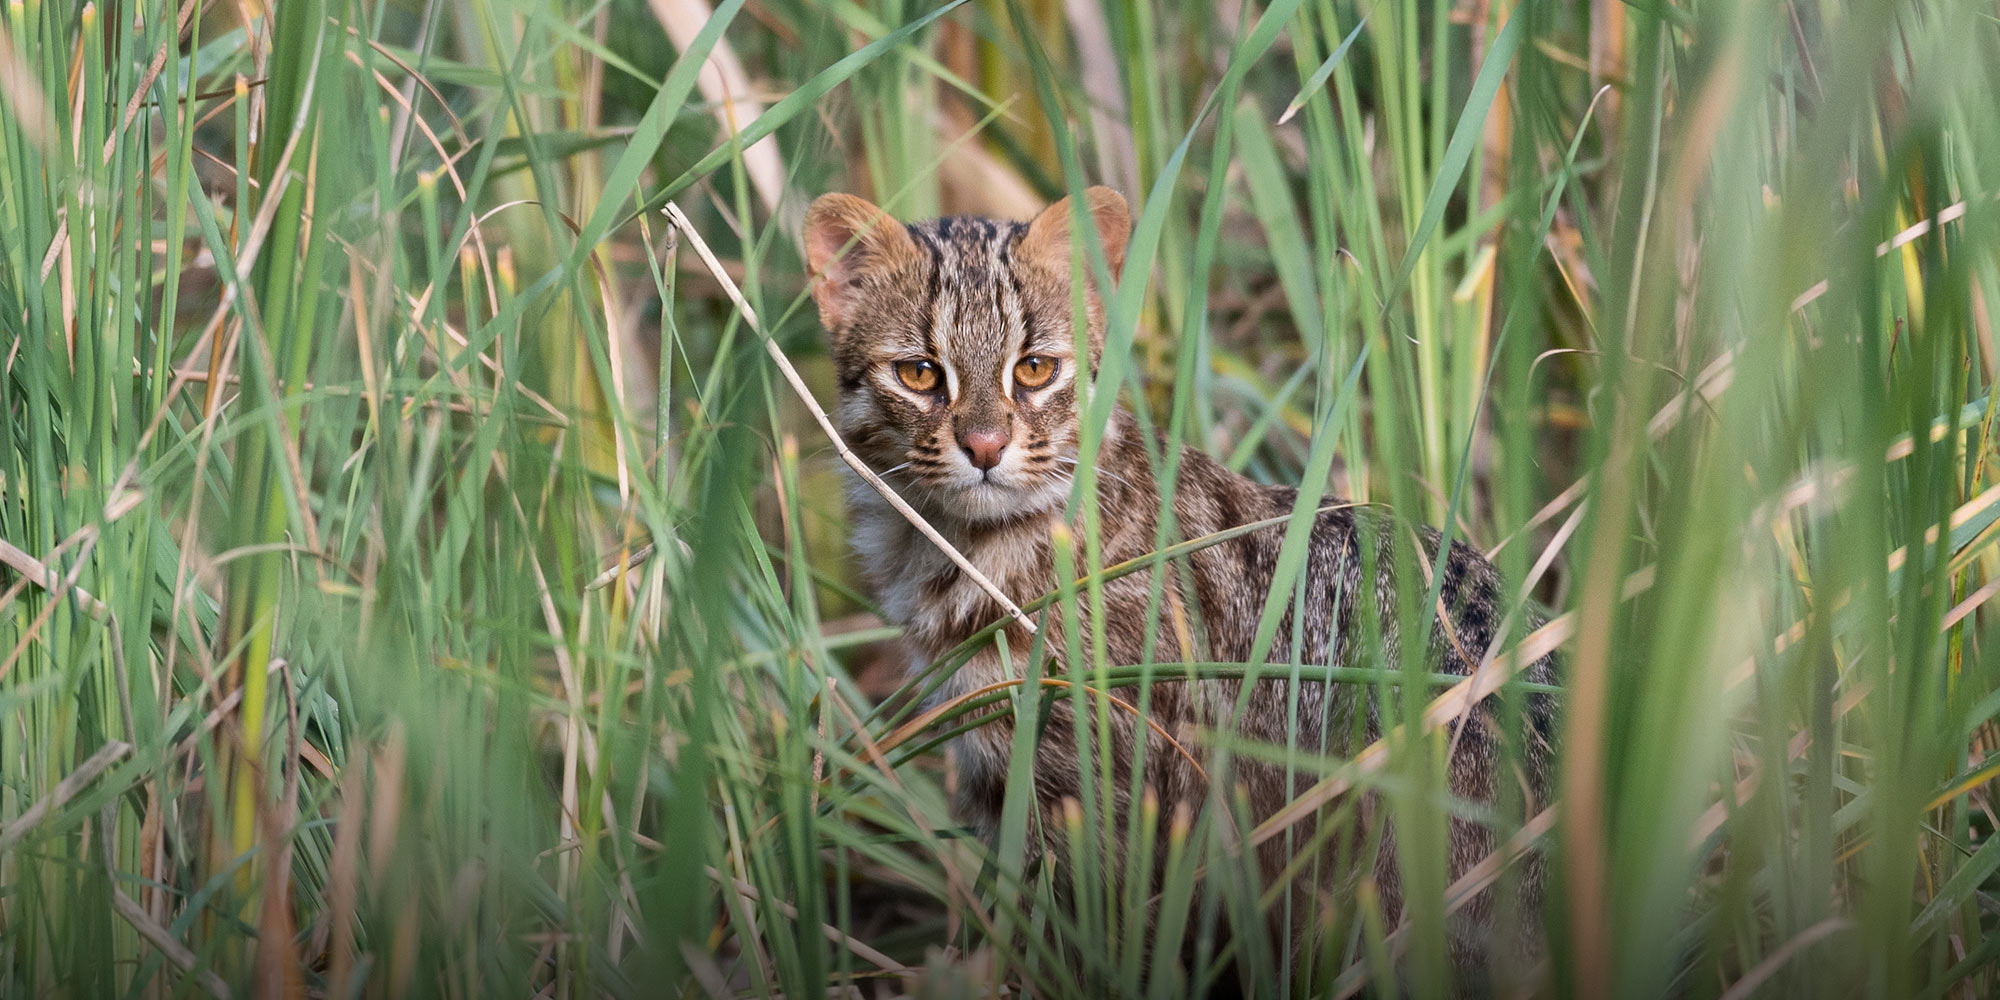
(983, 447)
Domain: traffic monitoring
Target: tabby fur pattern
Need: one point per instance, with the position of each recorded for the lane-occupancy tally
(976, 300)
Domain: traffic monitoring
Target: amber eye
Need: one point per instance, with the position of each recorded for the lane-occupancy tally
(919, 375)
(1034, 371)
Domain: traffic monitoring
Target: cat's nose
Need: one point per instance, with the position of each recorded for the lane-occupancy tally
(983, 447)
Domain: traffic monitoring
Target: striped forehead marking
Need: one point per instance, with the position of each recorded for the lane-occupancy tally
(944, 287)
(972, 279)
(1008, 294)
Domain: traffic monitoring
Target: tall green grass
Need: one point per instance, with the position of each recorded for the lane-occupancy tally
(418, 583)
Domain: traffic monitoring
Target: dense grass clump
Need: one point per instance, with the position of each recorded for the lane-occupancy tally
(420, 580)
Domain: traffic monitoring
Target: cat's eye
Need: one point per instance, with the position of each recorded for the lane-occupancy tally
(1034, 371)
(919, 375)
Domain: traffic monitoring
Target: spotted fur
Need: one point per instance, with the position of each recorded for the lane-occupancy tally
(974, 296)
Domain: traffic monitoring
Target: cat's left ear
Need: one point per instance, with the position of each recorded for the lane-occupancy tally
(1048, 237)
(847, 240)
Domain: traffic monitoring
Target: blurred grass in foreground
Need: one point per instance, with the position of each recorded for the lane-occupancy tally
(341, 409)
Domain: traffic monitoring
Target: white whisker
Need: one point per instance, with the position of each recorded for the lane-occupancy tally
(1100, 471)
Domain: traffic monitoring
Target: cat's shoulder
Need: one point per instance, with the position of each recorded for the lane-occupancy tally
(1207, 491)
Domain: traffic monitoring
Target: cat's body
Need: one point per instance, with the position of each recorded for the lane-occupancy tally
(953, 346)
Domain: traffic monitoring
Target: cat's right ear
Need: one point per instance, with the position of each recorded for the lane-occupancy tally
(848, 239)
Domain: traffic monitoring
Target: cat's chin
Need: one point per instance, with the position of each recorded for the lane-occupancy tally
(980, 504)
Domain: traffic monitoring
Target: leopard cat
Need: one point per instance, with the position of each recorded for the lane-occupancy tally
(953, 344)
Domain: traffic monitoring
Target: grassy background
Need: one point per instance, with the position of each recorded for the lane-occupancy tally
(350, 374)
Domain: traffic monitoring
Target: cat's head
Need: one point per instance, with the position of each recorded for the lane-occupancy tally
(955, 348)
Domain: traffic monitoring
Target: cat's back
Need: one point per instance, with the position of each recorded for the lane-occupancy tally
(1346, 610)
(1232, 576)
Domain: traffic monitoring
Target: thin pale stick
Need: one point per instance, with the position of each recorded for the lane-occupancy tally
(833, 934)
(167, 944)
(66, 789)
(1747, 986)
(860, 468)
(1476, 880)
